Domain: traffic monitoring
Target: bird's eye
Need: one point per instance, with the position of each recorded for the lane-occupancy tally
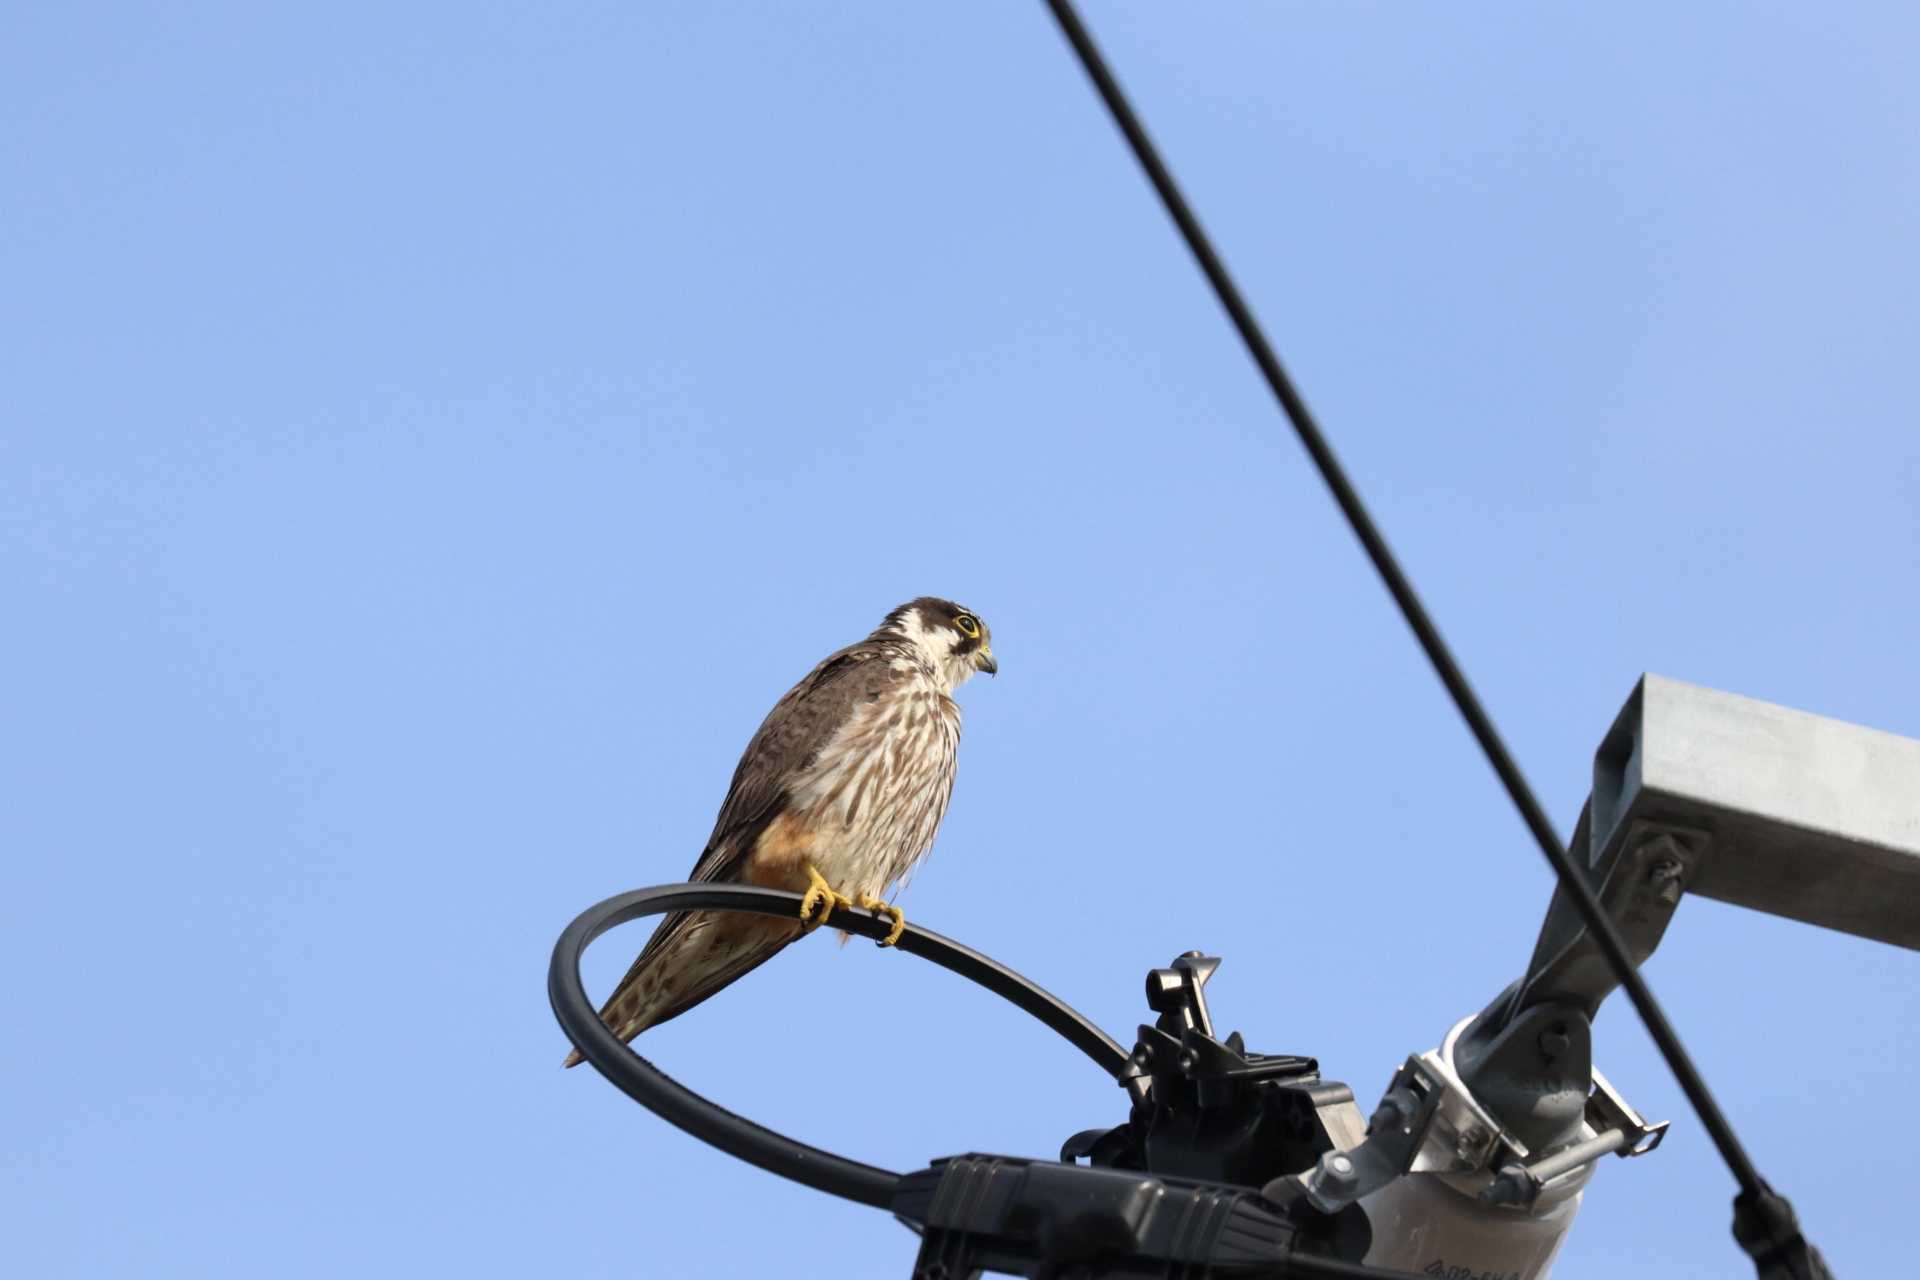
(968, 626)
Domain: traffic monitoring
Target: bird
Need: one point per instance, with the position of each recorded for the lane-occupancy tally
(838, 797)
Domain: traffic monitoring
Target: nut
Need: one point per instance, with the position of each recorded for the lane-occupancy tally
(1667, 878)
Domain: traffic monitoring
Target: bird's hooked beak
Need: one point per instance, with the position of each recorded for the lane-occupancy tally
(983, 661)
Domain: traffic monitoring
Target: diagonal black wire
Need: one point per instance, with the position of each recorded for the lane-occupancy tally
(1668, 1040)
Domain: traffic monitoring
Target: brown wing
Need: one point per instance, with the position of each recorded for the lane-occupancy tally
(794, 733)
(800, 725)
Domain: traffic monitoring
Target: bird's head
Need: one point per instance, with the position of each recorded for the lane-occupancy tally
(951, 637)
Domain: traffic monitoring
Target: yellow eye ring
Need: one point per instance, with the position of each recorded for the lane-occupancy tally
(968, 627)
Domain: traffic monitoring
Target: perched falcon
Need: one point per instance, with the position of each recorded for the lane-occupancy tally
(838, 796)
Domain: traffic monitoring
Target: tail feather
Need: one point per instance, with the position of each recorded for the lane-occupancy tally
(692, 955)
(632, 1009)
(622, 1012)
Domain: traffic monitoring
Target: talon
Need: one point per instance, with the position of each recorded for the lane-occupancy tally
(885, 908)
(821, 894)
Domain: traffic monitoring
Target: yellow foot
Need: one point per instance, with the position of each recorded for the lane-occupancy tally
(885, 908)
(819, 894)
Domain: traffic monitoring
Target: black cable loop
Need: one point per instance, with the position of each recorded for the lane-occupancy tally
(1478, 721)
(673, 1102)
(758, 1145)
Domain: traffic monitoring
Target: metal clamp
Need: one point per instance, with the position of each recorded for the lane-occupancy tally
(1430, 1122)
(1618, 1130)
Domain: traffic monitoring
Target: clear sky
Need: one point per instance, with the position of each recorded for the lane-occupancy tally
(431, 437)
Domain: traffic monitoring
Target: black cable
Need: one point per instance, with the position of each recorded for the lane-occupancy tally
(672, 1101)
(741, 1138)
(1295, 408)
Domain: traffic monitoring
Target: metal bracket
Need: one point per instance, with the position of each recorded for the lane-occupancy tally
(1430, 1122)
(1617, 1129)
(1396, 1136)
(1639, 876)
(1813, 819)
(1607, 1110)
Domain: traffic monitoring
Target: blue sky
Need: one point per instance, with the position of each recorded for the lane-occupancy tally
(433, 437)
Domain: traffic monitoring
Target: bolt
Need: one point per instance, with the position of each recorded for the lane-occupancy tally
(1553, 1042)
(1467, 1147)
(1339, 1168)
(1665, 877)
